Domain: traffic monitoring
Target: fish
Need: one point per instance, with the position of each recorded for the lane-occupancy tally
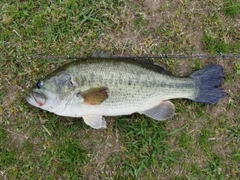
(95, 87)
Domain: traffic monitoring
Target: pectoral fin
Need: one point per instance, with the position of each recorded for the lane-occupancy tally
(94, 96)
(163, 111)
(95, 121)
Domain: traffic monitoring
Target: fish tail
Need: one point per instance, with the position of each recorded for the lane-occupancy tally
(208, 81)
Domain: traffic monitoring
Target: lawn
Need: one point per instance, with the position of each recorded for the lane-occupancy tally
(199, 142)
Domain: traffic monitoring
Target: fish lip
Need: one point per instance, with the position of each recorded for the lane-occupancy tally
(36, 99)
(30, 99)
(53, 106)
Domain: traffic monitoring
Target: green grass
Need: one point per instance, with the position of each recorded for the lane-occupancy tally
(214, 43)
(140, 21)
(199, 142)
(145, 146)
(7, 156)
(235, 133)
(238, 68)
(231, 8)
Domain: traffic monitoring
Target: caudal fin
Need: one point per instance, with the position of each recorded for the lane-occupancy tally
(208, 81)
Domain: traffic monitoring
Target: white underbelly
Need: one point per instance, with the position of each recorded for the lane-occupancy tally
(106, 110)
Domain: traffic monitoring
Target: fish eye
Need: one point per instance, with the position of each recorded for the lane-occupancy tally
(40, 84)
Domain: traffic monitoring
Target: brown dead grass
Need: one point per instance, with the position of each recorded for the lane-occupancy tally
(103, 144)
(160, 16)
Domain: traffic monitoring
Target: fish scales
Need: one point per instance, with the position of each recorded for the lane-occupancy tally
(131, 84)
(93, 87)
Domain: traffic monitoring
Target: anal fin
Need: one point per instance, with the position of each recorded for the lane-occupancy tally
(163, 111)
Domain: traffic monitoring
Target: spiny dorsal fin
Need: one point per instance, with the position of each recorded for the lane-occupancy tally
(94, 96)
(101, 54)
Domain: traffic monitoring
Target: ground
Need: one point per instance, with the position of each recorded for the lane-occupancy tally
(199, 142)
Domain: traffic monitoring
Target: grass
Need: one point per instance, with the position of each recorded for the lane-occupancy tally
(214, 43)
(199, 142)
(144, 140)
(231, 8)
(8, 157)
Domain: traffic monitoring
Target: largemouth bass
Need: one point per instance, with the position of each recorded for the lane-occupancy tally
(95, 87)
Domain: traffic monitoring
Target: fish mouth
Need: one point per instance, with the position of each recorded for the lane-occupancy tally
(36, 99)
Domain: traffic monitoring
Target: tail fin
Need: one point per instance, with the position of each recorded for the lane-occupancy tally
(208, 81)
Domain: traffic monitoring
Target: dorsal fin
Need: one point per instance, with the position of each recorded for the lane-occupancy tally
(151, 66)
(135, 61)
(101, 54)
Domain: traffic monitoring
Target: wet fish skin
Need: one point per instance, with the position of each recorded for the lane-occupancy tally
(93, 87)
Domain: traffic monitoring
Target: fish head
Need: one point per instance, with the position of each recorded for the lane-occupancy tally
(53, 92)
